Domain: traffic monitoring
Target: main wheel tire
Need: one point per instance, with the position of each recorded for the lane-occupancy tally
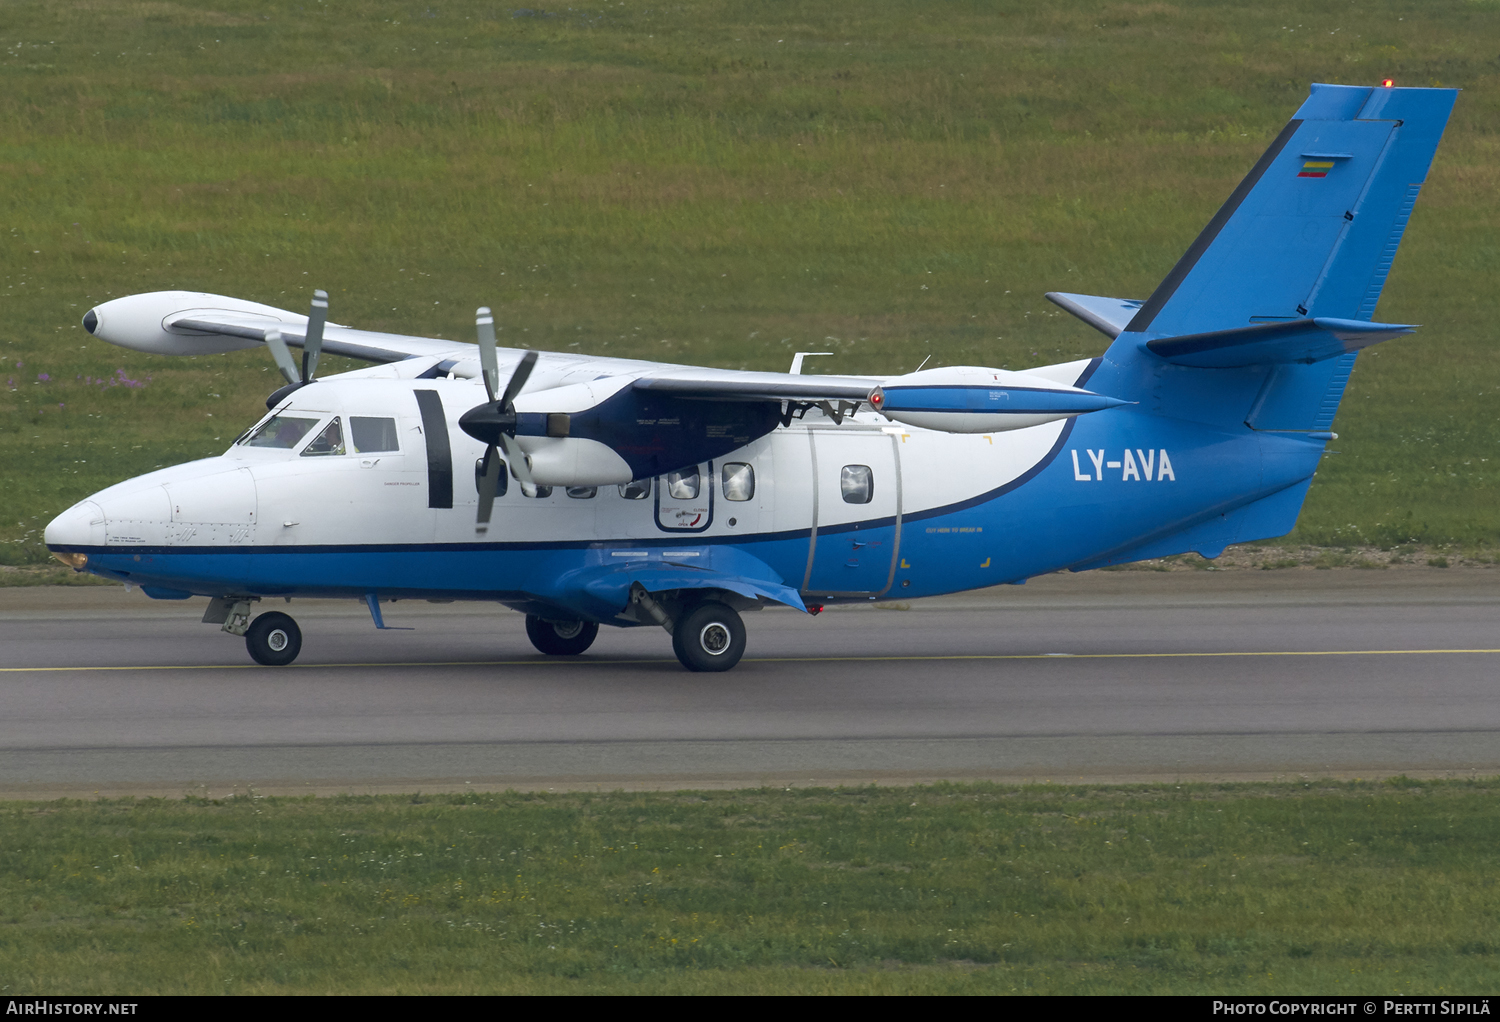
(710, 637)
(561, 638)
(273, 639)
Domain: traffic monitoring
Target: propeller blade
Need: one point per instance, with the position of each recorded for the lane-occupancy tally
(312, 347)
(517, 459)
(484, 325)
(518, 380)
(489, 482)
(283, 356)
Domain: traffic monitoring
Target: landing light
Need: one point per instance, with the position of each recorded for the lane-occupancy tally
(76, 561)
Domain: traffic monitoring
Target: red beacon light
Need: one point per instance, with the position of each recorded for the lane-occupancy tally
(1387, 83)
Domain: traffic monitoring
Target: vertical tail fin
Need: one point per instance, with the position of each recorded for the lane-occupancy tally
(1308, 236)
(1313, 229)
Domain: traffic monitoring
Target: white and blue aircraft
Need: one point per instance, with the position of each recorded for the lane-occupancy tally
(587, 491)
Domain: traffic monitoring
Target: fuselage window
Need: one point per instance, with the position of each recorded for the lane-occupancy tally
(739, 481)
(857, 483)
(502, 484)
(640, 489)
(285, 431)
(373, 435)
(582, 492)
(330, 441)
(683, 485)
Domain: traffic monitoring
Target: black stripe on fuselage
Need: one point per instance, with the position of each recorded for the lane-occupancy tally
(439, 454)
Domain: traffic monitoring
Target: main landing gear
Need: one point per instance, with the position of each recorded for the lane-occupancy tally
(710, 637)
(707, 635)
(560, 638)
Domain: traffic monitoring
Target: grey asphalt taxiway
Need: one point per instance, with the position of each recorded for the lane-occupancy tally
(1107, 675)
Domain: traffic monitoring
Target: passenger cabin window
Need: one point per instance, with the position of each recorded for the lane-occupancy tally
(373, 435)
(284, 431)
(857, 483)
(683, 485)
(582, 492)
(739, 481)
(640, 489)
(330, 441)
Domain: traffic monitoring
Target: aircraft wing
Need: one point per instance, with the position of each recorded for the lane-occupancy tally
(367, 345)
(745, 385)
(196, 323)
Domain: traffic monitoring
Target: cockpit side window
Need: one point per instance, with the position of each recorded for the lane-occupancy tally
(373, 435)
(284, 431)
(330, 441)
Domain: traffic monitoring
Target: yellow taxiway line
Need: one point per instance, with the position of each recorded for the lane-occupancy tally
(787, 660)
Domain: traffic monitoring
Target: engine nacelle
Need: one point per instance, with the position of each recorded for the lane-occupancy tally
(607, 431)
(573, 461)
(974, 399)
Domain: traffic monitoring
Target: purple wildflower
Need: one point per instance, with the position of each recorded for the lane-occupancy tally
(43, 377)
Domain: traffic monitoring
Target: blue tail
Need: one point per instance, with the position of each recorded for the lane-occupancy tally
(1259, 322)
(1248, 343)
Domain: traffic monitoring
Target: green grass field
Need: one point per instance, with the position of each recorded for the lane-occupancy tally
(1307, 887)
(716, 182)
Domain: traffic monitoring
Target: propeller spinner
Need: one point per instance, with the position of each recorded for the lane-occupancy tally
(494, 423)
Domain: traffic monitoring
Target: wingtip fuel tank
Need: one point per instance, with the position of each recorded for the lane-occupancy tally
(974, 399)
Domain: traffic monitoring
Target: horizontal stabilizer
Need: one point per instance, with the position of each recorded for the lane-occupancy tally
(1107, 315)
(1299, 340)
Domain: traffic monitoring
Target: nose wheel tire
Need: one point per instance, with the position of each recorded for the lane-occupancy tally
(273, 640)
(710, 637)
(560, 638)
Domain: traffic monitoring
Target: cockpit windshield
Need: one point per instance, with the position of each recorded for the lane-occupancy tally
(284, 431)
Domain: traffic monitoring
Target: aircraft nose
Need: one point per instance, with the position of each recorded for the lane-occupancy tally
(80, 525)
(91, 320)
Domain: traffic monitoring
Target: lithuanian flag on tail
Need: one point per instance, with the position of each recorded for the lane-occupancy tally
(1316, 168)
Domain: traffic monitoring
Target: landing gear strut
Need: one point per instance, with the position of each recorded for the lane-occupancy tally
(710, 637)
(560, 638)
(273, 639)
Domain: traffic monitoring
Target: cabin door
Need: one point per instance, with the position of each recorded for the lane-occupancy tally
(856, 534)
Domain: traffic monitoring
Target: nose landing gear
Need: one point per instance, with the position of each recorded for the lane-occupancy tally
(273, 639)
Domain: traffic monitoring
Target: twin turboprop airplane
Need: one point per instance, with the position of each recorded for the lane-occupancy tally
(618, 492)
